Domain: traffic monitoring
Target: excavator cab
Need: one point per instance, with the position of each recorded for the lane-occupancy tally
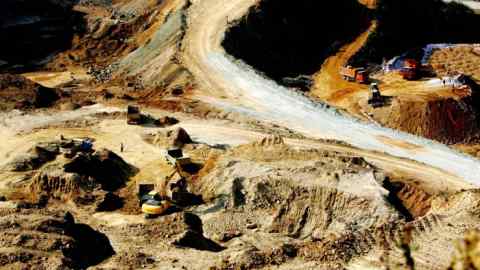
(374, 90)
(376, 99)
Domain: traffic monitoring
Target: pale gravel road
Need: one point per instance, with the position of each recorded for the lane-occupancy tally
(220, 75)
(469, 3)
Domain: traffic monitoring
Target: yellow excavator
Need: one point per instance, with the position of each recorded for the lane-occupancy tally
(153, 204)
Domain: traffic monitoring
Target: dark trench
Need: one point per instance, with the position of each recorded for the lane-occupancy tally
(284, 38)
(32, 30)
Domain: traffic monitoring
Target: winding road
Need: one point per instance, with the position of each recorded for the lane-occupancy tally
(233, 85)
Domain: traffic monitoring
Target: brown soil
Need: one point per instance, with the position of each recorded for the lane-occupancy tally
(413, 198)
(42, 239)
(88, 177)
(462, 59)
(434, 112)
(269, 202)
(20, 93)
(446, 120)
(467, 252)
(329, 85)
(106, 39)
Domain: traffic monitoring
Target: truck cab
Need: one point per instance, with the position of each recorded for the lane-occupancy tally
(352, 74)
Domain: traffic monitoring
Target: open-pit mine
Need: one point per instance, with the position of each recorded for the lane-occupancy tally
(239, 134)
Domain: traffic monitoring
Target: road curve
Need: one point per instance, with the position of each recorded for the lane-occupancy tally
(233, 85)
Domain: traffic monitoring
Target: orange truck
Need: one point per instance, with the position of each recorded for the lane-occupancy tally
(352, 74)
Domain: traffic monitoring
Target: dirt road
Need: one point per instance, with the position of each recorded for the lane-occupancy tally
(329, 84)
(474, 5)
(110, 133)
(437, 178)
(230, 84)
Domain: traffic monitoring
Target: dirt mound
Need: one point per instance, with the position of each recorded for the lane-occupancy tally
(192, 239)
(108, 35)
(108, 202)
(34, 158)
(179, 137)
(58, 184)
(134, 260)
(314, 195)
(464, 59)
(21, 93)
(165, 121)
(182, 230)
(87, 177)
(445, 120)
(49, 240)
(106, 167)
(83, 190)
(172, 138)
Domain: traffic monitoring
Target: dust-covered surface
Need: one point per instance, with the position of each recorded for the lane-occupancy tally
(245, 174)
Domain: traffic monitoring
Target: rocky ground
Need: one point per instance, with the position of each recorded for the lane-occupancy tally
(257, 194)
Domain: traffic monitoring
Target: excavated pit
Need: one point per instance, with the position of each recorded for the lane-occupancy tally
(412, 24)
(33, 30)
(285, 39)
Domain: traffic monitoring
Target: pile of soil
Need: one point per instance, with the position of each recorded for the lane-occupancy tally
(463, 59)
(448, 121)
(34, 158)
(173, 138)
(17, 92)
(414, 201)
(183, 230)
(88, 177)
(107, 168)
(134, 260)
(42, 239)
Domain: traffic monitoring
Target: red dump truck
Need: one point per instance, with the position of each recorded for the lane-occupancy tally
(352, 74)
